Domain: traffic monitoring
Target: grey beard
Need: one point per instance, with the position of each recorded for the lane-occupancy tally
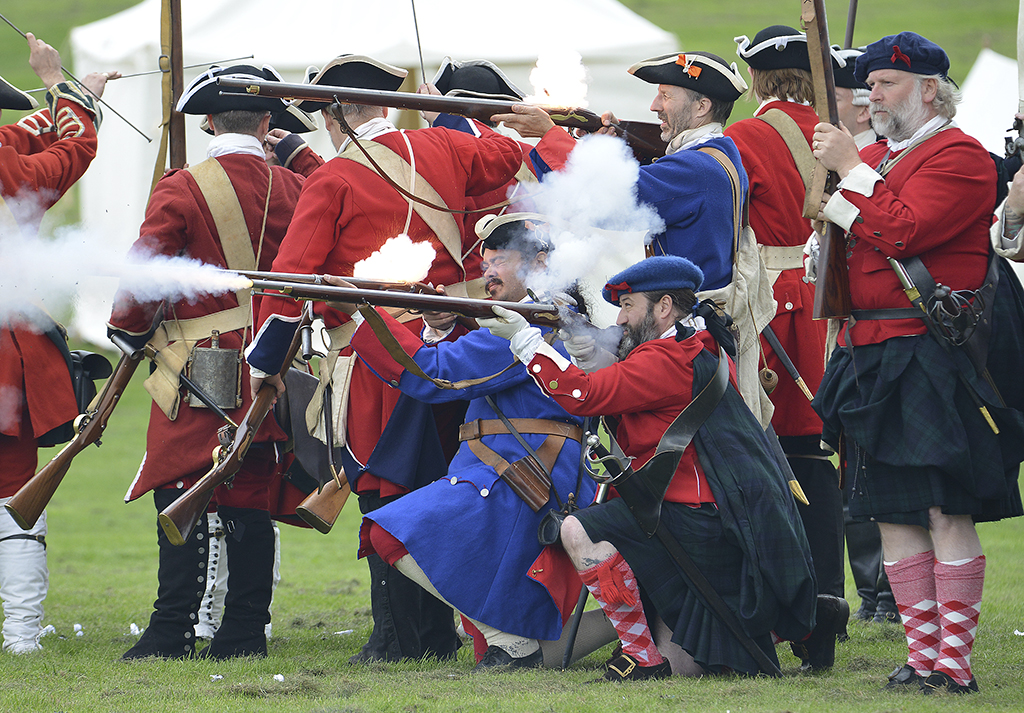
(632, 337)
(903, 119)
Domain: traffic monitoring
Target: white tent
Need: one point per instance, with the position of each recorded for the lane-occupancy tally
(114, 191)
(990, 99)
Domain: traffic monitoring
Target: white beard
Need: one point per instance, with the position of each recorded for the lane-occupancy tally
(903, 119)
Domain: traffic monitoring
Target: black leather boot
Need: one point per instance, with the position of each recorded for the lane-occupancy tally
(408, 622)
(818, 651)
(886, 611)
(250, 552)
(864, 548)
(181, 581)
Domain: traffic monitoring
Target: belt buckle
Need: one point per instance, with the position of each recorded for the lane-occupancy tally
(470, 430)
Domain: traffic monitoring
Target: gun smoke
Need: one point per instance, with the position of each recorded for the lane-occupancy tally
(599, 226)
(47, 271)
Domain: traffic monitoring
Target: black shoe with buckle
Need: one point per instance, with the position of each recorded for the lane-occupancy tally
(496, 659)
(626, 668)
(939, 681)
(905, 678)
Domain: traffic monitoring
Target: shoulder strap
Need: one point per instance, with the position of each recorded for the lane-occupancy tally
(643, 491)
(394, 349)
(795, 140)
(398, 170)
(738, 219)
(888, 164)
(228, 218)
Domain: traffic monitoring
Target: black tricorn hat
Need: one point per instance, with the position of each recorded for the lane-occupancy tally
(13, 98)
(703, 72)
(779, 47)
(295, 120)
(845, 75)
(355, 71)
(475, 78)
(203, 95)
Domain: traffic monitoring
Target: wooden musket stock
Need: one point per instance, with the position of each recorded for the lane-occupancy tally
(180, 517)
(832, 289)
(644, 138)
(32, 498)
(321, 507)
(539, 314)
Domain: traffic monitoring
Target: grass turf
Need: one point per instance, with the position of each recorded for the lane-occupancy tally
(103, 555)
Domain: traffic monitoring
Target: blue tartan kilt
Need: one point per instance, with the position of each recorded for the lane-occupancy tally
(918, 437)
(665, 590)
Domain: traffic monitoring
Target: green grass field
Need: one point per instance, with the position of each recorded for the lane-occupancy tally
(102, 557)
(102, 552)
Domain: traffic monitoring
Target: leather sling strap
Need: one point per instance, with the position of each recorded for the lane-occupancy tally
(394, 349)
(397, 171)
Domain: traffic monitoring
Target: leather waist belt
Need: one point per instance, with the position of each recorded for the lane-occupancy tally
(480, 427)
(861, 315)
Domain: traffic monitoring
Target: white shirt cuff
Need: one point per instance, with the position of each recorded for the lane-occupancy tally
(433, 336)
(861, 179)
(840, 211)
(525, 343)
(553, 354)
(257, 373)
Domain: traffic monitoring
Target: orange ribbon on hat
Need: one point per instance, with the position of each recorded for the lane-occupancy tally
(688, 66)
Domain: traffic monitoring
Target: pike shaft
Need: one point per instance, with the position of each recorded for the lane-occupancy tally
(419, 46)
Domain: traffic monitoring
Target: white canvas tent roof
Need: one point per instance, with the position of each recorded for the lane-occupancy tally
(114, 191)
(989, 103)
(990, 99)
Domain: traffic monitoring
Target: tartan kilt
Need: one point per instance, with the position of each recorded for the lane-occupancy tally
(665, 590)
(919, 439)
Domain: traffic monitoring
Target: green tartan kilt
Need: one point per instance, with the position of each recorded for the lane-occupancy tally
(665, 590)
(918, 439)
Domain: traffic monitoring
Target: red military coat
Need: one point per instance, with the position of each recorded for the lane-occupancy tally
(936, 202)
(776, 215)
(645, 392)
(346, 212)
(178, 222)
(36, 168)
(35, 397)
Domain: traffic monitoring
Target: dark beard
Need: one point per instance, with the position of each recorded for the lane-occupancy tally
(632, 337)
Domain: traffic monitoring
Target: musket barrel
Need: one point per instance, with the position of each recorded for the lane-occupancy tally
(546, 314)
(461, 106)
(642, 137)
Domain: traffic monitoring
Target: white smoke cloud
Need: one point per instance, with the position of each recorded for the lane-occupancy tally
(47, 271)
(600, 226)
